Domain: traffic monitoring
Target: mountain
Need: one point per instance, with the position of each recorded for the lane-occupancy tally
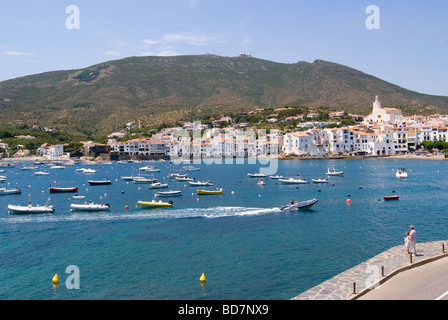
(101, 98)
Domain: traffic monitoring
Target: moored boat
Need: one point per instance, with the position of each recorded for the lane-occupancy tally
(169, 193)
(200, 183)
(4, 191)
(395, 197)
(292, 181)
(401, 173)
(99, 182)
(30, 209)
(144, 180)
(62, 190)
(276, 177)
(210, 192)
(319, 180)
(299, 205)
(256, 175)
(333, 172)
(158, 185)
(89, 207)
(41, 173)
(155, 204)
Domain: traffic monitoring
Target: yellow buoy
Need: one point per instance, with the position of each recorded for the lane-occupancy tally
(55, 279)
(202, 278)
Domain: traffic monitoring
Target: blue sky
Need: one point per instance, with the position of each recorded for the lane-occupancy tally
(409, 49)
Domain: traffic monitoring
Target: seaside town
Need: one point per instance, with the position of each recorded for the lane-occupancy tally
(384, 132)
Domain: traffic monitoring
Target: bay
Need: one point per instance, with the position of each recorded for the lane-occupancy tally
(244, 244)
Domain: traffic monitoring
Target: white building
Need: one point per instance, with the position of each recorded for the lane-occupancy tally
(383, 115)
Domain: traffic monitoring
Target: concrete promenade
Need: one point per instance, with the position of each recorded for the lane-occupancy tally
(353, 283)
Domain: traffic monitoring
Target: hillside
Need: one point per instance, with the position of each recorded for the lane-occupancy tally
(101, 98)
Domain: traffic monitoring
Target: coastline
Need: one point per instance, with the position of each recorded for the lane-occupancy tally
(279, 157)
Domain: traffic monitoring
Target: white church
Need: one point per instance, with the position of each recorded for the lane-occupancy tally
(383, 115)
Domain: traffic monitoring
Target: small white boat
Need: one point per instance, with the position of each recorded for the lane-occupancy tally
(84, 170)
(41, 173)
(30, 209)
(2, 178)
(144, 180)
(128, 178)
(158, 185)
(57, 167)
(169, 193)
(149, 169)
(184, 179)
(319, 180)
(200, 183)
(277, 177)
(4, 191)
(191, 168)
(256, 175)
(29, 168)
(401, 173)
(78, 197)
(333, 172)
(292, 181)
(89, 207)
(177, 175)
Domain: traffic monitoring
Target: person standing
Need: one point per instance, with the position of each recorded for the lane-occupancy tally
(413, 238)
(407, 242)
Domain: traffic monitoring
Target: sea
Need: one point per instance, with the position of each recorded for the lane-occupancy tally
(244, 245)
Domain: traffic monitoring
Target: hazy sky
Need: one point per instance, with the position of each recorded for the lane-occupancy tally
(409, 49)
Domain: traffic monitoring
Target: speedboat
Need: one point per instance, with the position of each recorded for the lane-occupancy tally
(292, 181)
(210, 192)
(158, 185)
(199, 183)
(319, 180)
(30, 209)
(333, 172)
(89, 207)
(401, 173)
(155, 204)
(299, 205)
(256, 175)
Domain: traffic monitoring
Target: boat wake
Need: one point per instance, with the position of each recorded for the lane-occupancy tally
(142, 214)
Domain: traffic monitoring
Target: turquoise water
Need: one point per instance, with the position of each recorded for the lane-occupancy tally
(246, 247)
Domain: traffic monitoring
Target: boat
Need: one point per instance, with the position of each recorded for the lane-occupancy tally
(30, 209)
(184, 179)
(89, 207)
(292, 181)
(319, 180)
(256, 175)
(62, 190)
(200, 183)
(401, 173)
(391, 197)
(128, 178)
(41, 173)
(177, 175)
(29, 168)
(144, 180)
(4, 191)
(191, 168)
(155, 204)
(261, 182)
(99, 182)
(2, 178)
(57, 167)
(333, 172)
(169, 193)
(149, 169)
(158, 185)
(84, 170)
(210, 192)
(78, 197)
(277, 177)
(300, 205)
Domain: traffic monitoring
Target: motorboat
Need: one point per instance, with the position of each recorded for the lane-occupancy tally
(57, 167)
(41, 173)
(99, 182)
(300, 205)
(333, 172)
(30, 209)
(292, 181)
(29, 168)
(177, 175)
(184, 179)
(199, 183)
(401, 173)
(149, 169)
(210, 192)
(78, 197)
(395, 197)
(169, 193)
(4, 191)
(256, 175)
(155, 204)
(89, 207)
(144, 180)
(84, 170)
(2, 178)
(319, 180)
(191, 168)
(127, 178)
(276, 177)
(158, 185)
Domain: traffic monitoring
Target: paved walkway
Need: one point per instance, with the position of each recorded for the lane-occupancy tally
(355, 282)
